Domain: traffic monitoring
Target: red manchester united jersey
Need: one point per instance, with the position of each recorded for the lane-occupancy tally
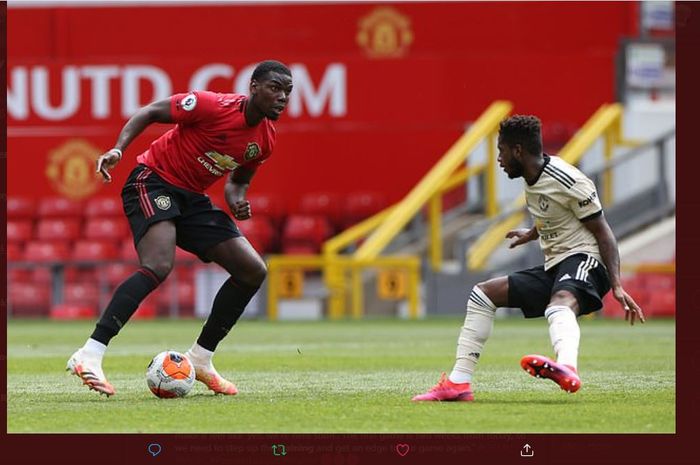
(211, 139)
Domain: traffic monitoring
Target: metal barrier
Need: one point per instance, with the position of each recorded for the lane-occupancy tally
(342, 272)
(278, 265)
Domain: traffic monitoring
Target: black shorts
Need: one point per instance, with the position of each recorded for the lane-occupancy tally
(581, 274)
(200, 225)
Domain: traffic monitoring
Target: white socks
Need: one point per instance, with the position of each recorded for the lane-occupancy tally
(564, 333)
(200, 355)
(93, 348)
(477, 328)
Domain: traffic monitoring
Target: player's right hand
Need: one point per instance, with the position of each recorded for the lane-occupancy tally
(106, 162)
(522, 236)
(632, 310)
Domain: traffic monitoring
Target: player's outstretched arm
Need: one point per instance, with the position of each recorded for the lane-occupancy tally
(236, 187)
(607, 244)
(522, 236)
(156, 112)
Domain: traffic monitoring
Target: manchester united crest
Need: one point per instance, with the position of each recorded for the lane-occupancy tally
(252, 151)
(71, 169)
(163, 202)
(385, 33)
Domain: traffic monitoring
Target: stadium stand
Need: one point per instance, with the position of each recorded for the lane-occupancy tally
(260, 232)
(100, 207)
(20, 208)
(304, 234)
(60, 229)
(324, 204)
(361, 205)
(59, 207)
(109, 228)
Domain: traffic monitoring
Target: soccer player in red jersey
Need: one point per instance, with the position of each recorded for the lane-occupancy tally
(215, 135)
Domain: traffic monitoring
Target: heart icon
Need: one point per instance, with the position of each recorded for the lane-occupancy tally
(402, 449)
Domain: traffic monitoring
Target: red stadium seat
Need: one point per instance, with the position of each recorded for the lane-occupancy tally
(75, 311)
(116, 273)
(44, 275)
(259, 231)
(59, 207)
(46, 251)
(661, 303)
(84, 293)
(323, 204)
(183, 256)
(127, 252)
(361, 205)
(300, 249)
(634, 287)
(268, 205)
(19, 230)
(181, 292)
(658, 281)
(29, 299)
(183, 271)
(107, 228)
(100, 207)
(21, 208)
(18, 275)
(14, 252)
(147, 309)
(58, 229)
(305, 233)
(94, 250)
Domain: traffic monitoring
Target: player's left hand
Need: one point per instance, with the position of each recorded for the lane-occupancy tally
(632, 310)
(241, 209)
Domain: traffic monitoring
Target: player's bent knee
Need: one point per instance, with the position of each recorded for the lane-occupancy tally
(563, 297)
(259, 275)
(495, 289)
(161, 269)
(255, 275)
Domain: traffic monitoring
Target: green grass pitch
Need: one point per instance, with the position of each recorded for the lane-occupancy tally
(348, 376)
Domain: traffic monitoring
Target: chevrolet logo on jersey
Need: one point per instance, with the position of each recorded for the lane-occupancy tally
(223, 162)
(252, 151)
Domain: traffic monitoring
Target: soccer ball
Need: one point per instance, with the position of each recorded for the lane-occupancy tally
(170, 374)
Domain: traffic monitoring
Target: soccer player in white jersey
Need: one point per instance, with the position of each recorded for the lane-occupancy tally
(582, 264)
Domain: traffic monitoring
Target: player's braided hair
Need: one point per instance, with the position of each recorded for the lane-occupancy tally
(268, 66)
(525, 130)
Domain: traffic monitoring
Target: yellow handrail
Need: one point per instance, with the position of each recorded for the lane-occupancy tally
(607, 122)
(356, 232)
(430, 184)
(444, 177)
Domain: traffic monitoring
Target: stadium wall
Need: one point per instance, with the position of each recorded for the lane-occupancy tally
(381, 91)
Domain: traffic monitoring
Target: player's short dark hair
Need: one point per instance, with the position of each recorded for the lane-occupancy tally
(525, 130)
(269, 66)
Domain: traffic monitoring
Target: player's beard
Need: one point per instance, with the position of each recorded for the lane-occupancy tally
(515, 169)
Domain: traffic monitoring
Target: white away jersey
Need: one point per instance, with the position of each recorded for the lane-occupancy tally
(558, 201)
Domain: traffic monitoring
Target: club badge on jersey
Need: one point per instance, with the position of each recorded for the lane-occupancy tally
(252, 151)
(189, 102)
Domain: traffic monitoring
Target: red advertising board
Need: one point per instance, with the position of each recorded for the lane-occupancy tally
(380, 90)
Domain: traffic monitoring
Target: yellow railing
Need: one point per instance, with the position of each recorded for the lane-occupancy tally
(348, 267)
(606, 122)
(430, 185)
(385, 225)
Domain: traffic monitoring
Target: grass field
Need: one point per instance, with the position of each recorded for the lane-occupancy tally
(346, 377)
